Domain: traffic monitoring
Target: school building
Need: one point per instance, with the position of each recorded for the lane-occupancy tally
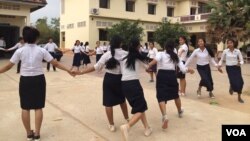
(86, 20)
(14, 15)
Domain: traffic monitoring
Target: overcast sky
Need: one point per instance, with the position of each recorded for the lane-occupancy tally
(51, 10)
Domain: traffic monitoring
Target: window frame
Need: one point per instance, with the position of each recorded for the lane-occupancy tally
(154, 10)
(172, 11)
(107, 4)
(104, 35)
(126, 6)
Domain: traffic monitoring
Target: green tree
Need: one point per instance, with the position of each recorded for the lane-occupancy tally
(168, 31)
(48, 30)
(55, 25)
(229, 19)
(127, 30)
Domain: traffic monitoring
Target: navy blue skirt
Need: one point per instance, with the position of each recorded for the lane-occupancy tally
(153, 68)
(167, 86)
(112, 90)
(206, 77)
(144, 54)
(134, 94)
(98, 56)
(86, 59)
(235, 78)
(32, 92)
(77, 60)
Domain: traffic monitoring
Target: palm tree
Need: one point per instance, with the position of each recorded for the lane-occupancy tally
(229, 19)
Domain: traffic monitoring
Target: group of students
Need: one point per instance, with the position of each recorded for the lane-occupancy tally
(83, 51)
(121, 80)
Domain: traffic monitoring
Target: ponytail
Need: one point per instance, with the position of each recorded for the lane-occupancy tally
(134, 54)
(114, 43)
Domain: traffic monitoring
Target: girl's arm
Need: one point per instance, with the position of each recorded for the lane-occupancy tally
(222, 58)
(6, 67)
(12, 48)
(213, 62)
(241, 61)
(152, 63)
(88, 70)
(185, 69)
(190, 58)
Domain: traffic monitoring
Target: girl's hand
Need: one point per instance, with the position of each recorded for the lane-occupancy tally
(220, 70)
(191, 71)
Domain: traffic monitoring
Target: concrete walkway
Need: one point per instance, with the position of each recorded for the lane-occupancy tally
(74, 110)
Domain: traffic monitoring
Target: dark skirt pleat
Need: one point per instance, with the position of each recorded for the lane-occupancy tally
(77, 60)
(112, 90)
(206, 77)
(235, 78)
(153, 68)
(86, 59)
(166, 85)
(32, 92)
(98, 56)
(134, 94)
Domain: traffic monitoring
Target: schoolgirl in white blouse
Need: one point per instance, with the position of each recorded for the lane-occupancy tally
(166, 82)
(204, 56)
(234, 60)
(112, 89)
(32, 87)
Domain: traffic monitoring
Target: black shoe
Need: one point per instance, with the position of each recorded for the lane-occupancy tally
(31, 136)
(211, 95)
(241, 100)
(231, 91)
(37, 138)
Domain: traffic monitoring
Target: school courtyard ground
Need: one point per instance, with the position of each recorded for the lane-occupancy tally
(74, 110)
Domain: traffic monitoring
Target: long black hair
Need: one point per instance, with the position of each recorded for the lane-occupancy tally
(114, 43)
(169, 47)
(133, 53)
(186, 42)
(146, 45)
(209, 50)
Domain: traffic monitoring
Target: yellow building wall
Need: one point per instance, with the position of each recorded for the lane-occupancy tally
(79, 10)
(75, 11)
(118, 9)
(182, 8)
(22, 17)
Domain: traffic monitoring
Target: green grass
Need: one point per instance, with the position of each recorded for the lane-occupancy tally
(213, 102)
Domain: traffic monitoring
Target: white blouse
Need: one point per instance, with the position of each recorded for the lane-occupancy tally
(144, 49)
(232, 57)
(127, 73)
(51, 47)
(104, 48)
(164, 62)
(182, 52)
(85, 49)
(99, 50)
(119, 53)
(152, 53)
(77, 49)
(31, 57)
(203, 57)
